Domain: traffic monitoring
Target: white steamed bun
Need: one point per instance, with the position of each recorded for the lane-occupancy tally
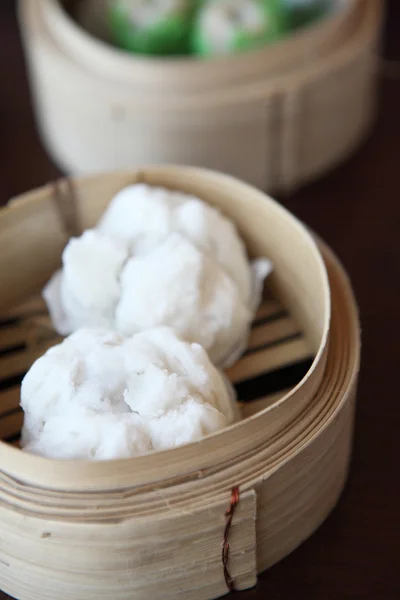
(100, 396)
(160, 257)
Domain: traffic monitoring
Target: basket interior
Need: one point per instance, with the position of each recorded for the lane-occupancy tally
(289, 333)
(91, 15)
(278, 356)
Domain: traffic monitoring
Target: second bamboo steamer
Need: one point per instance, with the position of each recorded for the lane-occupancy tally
(273, 126)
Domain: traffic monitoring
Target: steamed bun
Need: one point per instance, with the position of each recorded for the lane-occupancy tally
(100, 396)
(160, 258)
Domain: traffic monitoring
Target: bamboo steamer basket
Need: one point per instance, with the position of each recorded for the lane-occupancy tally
(274, 118)
(153, 526)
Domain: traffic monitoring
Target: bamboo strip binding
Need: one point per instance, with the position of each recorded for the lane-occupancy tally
(164, 515)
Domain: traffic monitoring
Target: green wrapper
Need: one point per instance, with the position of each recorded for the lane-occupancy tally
(206, 40)
(301, 14)
(168, 36)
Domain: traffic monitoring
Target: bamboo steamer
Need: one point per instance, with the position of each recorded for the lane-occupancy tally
(153, 527)
(274, 118)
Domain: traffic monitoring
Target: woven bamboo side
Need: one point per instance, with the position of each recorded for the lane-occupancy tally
(164, 521)
(274, 131)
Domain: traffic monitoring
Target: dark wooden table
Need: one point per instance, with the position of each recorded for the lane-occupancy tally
(356, 554)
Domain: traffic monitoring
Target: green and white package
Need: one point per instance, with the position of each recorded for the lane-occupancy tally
(229, 26)
(154, 27)
(303, 12)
